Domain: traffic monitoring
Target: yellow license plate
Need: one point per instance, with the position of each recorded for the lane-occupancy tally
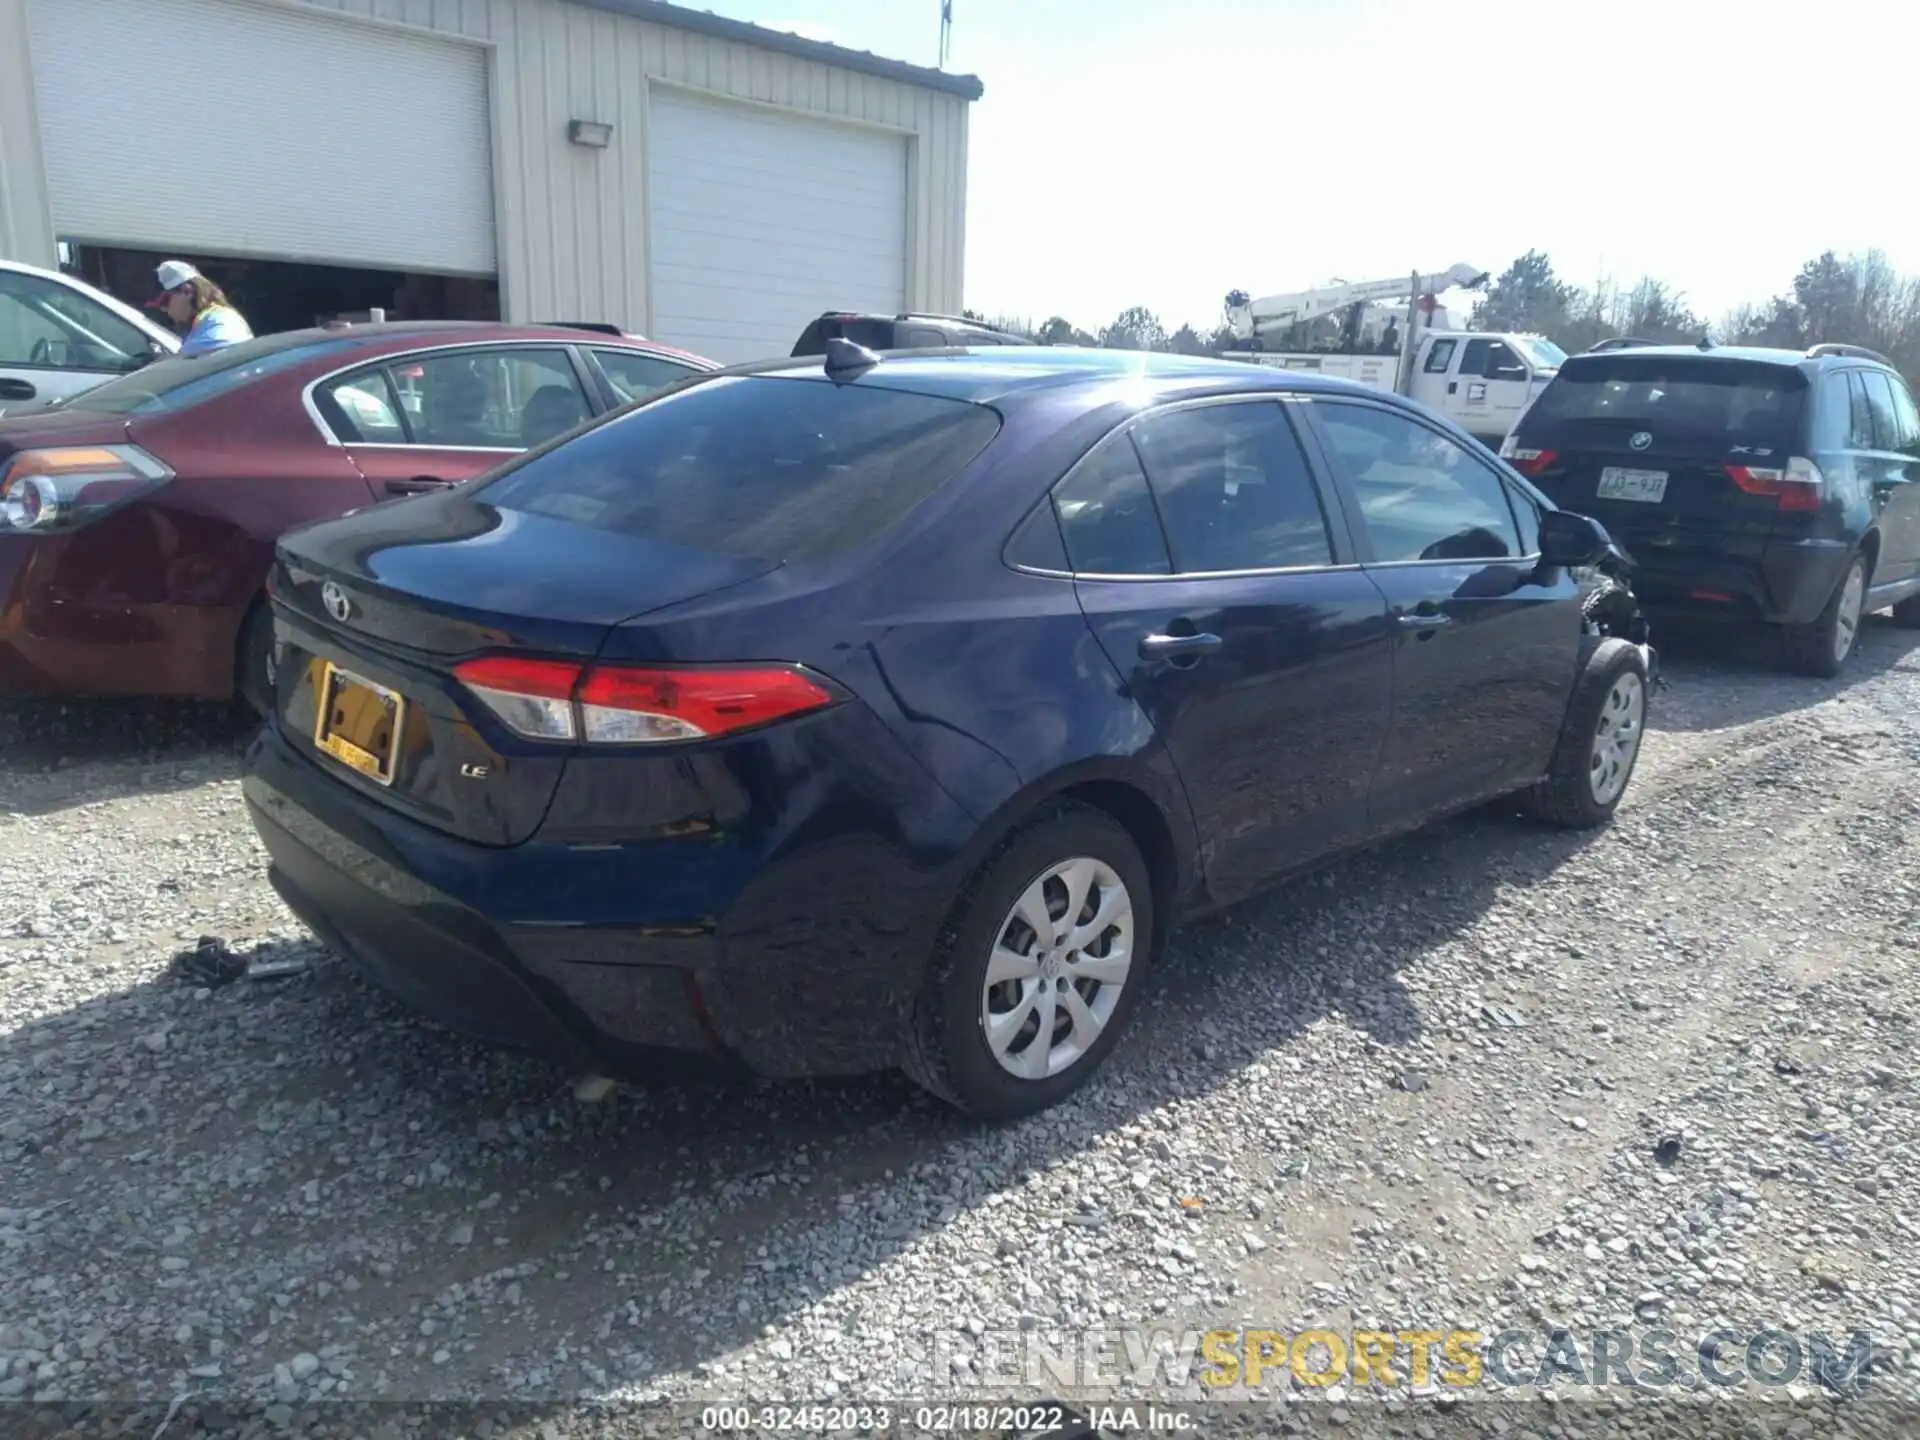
(359, 723)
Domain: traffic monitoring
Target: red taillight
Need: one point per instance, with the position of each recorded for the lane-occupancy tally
(1798, 485)
(629, 705)
(619, 706)
(1532, 462)
(532, 697)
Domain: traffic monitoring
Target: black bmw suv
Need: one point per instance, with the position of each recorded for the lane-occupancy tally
(1772, 486)
(900, 332)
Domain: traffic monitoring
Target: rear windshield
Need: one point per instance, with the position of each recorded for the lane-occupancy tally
(753, 466)
(871, 334)
(167, 386)
(1735, 401)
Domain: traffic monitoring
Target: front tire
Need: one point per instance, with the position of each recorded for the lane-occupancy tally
(1823, 646)
(1599, 743)
(253, 678)
(1038, 973)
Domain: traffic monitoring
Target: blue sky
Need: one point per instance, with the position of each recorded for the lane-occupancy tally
(1163, 152)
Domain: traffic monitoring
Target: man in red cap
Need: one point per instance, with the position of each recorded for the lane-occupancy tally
(197, 304)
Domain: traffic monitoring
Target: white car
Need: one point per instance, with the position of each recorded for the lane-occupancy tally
(59, 336)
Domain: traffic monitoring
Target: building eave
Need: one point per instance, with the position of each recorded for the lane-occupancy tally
(702, 22)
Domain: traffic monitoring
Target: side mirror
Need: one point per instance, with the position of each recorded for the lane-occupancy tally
(1571, 541)
(1508, 372)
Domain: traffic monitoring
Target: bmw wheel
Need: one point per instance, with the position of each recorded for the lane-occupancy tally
(1824, 646)
(1036, 978)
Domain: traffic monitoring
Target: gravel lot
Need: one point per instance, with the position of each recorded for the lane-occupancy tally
(282, 1191)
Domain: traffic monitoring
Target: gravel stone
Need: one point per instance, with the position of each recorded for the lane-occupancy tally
(1707, 1119)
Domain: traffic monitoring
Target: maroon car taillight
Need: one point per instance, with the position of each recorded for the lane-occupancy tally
(65, 487)
(636, 705)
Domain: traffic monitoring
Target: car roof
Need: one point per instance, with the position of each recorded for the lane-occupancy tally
(992, 374)
(1802, 360)
(394, 335)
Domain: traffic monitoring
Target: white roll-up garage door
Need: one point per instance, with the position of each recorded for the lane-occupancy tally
(759, 220)
(235, 128)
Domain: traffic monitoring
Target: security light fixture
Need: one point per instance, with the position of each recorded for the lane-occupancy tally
(595, 134)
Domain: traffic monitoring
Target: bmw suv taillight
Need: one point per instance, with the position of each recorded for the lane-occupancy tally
(637, 705)
(1797, 485)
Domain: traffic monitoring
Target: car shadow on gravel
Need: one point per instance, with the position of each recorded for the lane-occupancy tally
(1719, 677)
(58, 754)
(346, 1174)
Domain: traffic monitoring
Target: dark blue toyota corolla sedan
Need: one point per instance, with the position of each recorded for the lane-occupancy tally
(826, 716)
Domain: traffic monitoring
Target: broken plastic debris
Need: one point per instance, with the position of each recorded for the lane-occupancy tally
(275, 969)
(210, 963)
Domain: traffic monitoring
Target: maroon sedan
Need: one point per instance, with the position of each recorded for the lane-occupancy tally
(137, 520)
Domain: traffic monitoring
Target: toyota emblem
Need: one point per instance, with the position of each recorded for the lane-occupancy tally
(336, 601)
(1641, 440)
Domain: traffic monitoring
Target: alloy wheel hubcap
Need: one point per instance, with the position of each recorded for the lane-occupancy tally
(1060, 962)
(1846, 624)
(1616, 739)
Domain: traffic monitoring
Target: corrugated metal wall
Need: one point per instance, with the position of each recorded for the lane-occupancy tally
(573, 233)
(572, 221)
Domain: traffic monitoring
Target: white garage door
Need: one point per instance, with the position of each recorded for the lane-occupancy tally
(236, 128)
(758, 221)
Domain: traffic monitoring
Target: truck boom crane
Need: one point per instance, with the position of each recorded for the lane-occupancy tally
(1249, 319)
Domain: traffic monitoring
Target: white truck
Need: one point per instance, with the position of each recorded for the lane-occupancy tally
(1481, 381)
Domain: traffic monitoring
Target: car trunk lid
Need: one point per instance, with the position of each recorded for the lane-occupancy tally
(1657, 447)
(375, 612)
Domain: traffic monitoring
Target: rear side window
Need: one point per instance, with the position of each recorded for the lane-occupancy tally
(1906, 417)
(750, 466)
(1886, 426)
(1440, 356)
(1722, 402)
(1107, 516)
(1234, 489)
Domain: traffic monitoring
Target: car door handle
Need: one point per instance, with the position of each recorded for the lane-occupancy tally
(1424, 619)
(416, 485)
(1178, 647)
(11, 389)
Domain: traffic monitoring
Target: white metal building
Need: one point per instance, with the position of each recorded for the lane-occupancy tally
(711, 183)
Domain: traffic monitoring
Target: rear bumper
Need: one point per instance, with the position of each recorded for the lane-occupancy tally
(694, 951)
(1782, 583)
(56, 640)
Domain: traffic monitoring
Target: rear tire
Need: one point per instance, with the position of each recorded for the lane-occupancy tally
(1823, 646)
(1599, 743)
(253, 676)
(1000, 1048)
(1907, 614)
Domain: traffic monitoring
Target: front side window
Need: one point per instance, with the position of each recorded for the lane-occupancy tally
(1474, 360)
(50, 326)
(1233, 488)
(1421, 496)
(1107, 516)
(633, 373)
(1906, 417)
